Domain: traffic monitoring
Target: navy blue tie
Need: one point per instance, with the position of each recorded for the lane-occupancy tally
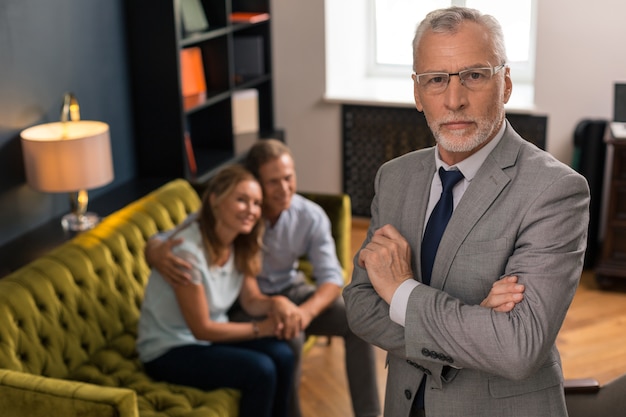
(430, 242)
(438, 221)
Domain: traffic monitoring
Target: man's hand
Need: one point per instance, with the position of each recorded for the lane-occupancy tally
(289, 315)
(174, 269)
(387, 259)
(504, 295)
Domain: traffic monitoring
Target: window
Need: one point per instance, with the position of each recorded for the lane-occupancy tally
(397, 19)
(369, 51)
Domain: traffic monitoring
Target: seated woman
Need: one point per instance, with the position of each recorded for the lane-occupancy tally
(184, 333)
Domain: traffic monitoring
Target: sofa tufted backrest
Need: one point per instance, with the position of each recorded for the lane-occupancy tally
(66, 306)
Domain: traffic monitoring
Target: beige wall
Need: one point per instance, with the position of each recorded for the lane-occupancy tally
(579, 56)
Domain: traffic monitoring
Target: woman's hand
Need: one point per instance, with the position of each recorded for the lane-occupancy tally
(268, 327)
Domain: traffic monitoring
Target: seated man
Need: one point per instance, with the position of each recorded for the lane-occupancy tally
(295, 227)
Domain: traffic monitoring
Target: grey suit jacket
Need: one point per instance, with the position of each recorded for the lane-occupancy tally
(524, 213)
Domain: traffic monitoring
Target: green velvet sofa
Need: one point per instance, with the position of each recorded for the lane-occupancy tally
(68, 320)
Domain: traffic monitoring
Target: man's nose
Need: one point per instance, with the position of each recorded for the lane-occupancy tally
(456, 93)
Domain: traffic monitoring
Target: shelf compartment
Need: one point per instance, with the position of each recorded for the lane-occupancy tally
(199, 37)
(258, 6)
(162, 115)
(211, 133)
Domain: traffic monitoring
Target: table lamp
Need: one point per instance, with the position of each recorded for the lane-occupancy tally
(70, 156)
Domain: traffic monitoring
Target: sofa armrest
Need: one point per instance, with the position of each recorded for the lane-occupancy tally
(605, 400)
(580, 386)
(23, 394)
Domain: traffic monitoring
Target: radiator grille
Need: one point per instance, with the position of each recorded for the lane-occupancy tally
(373, 135)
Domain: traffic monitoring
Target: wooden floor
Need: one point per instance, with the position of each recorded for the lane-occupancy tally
(592, 343)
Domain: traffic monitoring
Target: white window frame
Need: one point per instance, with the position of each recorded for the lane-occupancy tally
(520, 72)
(350, 77)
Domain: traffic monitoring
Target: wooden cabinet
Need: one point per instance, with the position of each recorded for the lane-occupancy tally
(162, 116)
(613, 261)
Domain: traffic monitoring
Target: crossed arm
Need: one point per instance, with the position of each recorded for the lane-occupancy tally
(387, 258)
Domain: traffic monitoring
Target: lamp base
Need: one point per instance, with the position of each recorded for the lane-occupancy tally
(79, 223)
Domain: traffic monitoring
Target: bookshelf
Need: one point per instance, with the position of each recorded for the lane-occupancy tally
(235, 56)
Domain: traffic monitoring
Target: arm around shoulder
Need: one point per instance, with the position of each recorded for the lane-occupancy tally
(160, 255)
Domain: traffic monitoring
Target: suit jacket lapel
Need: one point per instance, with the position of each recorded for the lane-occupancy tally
(484, 189)
(421, 181)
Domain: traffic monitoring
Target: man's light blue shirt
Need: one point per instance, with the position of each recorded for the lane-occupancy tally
(302, 229)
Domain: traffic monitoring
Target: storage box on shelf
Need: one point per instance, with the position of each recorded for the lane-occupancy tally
(236, 55)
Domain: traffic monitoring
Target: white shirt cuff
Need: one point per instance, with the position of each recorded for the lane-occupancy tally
(400, 300)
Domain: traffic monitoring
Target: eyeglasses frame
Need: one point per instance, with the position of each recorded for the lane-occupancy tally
(494, 71)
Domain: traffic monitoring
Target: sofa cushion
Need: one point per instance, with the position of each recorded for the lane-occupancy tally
(116, 366)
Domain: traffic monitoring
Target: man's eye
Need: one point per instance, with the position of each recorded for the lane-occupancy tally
(437, 79)
(475, 76)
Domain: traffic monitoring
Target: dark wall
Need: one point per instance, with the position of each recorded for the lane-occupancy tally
(47, 48)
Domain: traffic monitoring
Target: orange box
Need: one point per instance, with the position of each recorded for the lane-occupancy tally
(192, 72)
(248, 17)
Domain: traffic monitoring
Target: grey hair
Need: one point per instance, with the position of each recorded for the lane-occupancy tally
(448, 21)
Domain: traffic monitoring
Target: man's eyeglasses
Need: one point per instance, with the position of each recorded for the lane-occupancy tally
(473, 79)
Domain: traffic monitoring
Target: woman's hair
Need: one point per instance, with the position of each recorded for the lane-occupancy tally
(246, 246)
(263, 151)
(448, 21)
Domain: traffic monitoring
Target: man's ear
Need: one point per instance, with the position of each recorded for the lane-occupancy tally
(508, 84)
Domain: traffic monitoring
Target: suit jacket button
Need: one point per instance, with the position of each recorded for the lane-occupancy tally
(407, 394)
(425, 352)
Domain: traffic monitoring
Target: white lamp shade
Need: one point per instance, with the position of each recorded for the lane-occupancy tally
(67, 156)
